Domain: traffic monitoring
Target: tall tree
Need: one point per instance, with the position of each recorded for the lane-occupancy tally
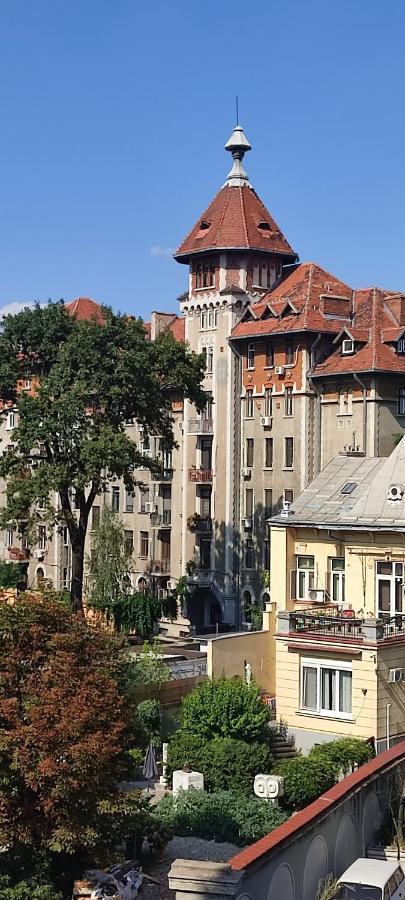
(89, 378)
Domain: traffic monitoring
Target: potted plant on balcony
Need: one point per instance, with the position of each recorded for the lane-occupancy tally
(194, 521)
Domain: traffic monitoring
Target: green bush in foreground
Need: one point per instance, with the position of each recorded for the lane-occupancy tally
(226, 763)
(225, 707)
(305, 778)
(345, 753)
(222, 816)
(27, 890)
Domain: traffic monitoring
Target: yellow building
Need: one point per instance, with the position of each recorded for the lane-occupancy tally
(338, 581)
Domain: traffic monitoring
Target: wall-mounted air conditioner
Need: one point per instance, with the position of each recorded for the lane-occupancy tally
(266, 421)
(279, 370)
(317, 595)
(246, 473)
(396, 675)
(247, 523)
(38, 554)
(149, 507)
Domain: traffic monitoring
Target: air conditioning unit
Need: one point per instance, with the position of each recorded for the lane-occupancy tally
(247, 523)
(279, 370)
(396, 675)
(171, 584)
(149, 507)
(317, 595)
(266, 421)
(246, 473)
(38, 554)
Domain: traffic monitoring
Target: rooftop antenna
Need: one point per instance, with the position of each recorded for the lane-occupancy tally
(237, 109)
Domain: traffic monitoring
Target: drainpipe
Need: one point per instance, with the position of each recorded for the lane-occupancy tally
(364, 389)
(319, 405)
(387, 713)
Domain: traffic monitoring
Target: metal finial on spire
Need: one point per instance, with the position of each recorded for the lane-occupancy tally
(238, 145)
(237, 109)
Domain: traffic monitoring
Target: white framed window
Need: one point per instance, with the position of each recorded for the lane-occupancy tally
(249, 408)
(302, 577)
(26, 384)
(10, 423)
(41, 537)
(401, 401)
(288, 452)
(8, 537)
(250, 362)
(347, 346)
(204, 319)
(268, 401)
(326, 687)
(210, 360)
(401, 345)
(337, 579)
(389, 587)
(288, 400)
(115, 498)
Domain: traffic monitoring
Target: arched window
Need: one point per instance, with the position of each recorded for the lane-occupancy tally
(142, 585)
(198, 277)
(265, 599)
(39, 576)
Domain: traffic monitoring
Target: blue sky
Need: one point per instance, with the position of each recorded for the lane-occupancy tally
(114, 114)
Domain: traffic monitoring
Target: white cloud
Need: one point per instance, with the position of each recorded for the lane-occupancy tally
(11, 309)
(157, 250)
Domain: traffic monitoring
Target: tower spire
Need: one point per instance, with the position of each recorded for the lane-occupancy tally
(238, 145)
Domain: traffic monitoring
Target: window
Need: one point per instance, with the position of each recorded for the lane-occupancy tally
(288, 496)
(347, 346)
(401, 345)
(289, 354)
(269, 353)
(251, 356)
(250, 451)
(325, 688)
(212, 318)
(41, 537)
(288, 401)
(249, 554)
(249, 405)
(389, 588)
(205, 276)
(129, 542)
(144, 543)
(206, 454)
(345, 402)
(205, 501)
(247, 606)
(26, 384)
(10, 424)
(249, 503)
(8, 537)
(205, 553)
(303, 577)
(210, 360)
(337, 579)
(65, 578)
(401, 401)
(66, 535)
(39, 575)
(143, 497)
(268, 503)
(129, 501)
(268, 402)
(115, 498)
(41, 504)
(268, 453)
(288, 452)
(95, 516)
(349, 487)
(266, 554)
(204, 319)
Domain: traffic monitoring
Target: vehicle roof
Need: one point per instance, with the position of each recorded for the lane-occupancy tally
(375, 872)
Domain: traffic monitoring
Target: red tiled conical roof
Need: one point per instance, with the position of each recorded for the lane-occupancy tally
(238, 220)
(85, 309)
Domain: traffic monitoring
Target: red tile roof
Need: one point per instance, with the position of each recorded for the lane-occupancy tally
(322, 303)
(233, 220)
(85, 309)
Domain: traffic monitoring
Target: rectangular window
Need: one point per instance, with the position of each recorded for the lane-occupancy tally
(288, 496)
(250, 452)
(249, 503)
(129, 501)
(266, 554)
(347, 346)
(289, 354)
(269, 353)
(401, 401)
(26, 384)
(325, 688)
(251, 356)
(389, 588)
(10, 424)
(205, 553)
(205, 501)
(206, 453)
(42, 537)
(8, 537)
(337, 579)
(66, 535)
(268, 503)
(249, 554)
(401, 345)
(115, 498)
(268, 453)
(249, 405)
(129, 542)
(303, 579)
(95, 516)
(65, 577)
(288, 401)
(268, 402)
(143, 497)
(204, 319)
(288, 452)
(143, 543)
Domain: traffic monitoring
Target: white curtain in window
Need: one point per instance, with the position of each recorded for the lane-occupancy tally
(328, 689)
(309, 687)
(345, 692)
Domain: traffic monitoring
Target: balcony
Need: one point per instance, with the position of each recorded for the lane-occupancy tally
(200, 476)
(160, 567)
(201, 577)
(200, 425)
(19, 554)
(200, 524)
(331, 626)
(163, 475)
(161, 520)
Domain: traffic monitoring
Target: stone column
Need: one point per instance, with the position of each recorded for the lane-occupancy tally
(195, 880)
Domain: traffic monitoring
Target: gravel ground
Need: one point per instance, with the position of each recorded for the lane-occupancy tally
(182, 848)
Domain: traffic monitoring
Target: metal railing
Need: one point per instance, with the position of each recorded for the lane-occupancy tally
(200, 426)
(200, 524)
(200, 475)
(163, 475)
(161, 520)
(335, 626)
(160, 566)
(393, 625)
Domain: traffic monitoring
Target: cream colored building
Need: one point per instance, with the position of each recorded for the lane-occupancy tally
(338, 580)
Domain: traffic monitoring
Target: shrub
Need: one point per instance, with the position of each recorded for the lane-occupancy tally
(27, 890)
(344, 754)
(223, 816)
(305, 778)
(225, 762)
(148, 722)
(226, 707)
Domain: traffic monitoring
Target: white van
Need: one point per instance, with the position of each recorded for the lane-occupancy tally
(372, 879)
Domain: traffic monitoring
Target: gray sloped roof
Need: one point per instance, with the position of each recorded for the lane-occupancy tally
(323, 504)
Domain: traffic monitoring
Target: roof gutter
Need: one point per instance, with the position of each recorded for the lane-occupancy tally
(337, 527)
(318, 394)
(364, 389)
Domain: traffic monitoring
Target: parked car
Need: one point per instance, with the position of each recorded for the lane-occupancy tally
(372, 879)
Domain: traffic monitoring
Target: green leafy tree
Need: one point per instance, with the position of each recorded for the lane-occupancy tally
(226, 707)
(12, 574)
(226, 763)
(148, 667)
(89, 378)
(110, 561)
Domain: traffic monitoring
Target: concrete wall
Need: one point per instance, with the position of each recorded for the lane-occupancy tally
(226, 654)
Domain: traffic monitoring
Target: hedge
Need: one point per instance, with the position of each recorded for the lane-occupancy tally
(345, 753)
(221, 816)
(226, 707)
(307, 777)
(226, 763)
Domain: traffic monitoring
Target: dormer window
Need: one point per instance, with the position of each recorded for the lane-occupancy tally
(401, 345)
(347, 347)
(204, 225)
(264, 226)
(205, 276)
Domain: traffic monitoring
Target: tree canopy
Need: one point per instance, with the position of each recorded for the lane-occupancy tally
(226, 707)
(88, 379)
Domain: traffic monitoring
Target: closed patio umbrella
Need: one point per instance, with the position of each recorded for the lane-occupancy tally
(150, 769)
